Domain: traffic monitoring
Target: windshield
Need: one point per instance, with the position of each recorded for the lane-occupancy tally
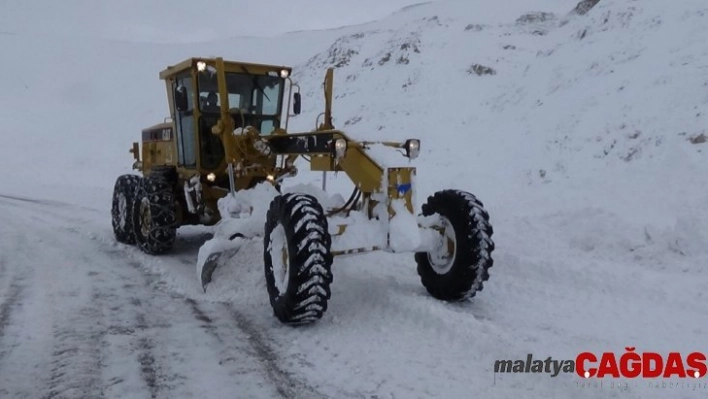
(252, 94)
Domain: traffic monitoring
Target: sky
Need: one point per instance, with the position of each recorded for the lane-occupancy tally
(175, 21)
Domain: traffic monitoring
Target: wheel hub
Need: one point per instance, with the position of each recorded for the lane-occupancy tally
(443, 257)
(145, 217)
(122, 210)
(280, 256)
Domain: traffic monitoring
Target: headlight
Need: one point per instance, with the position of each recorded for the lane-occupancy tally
(340, 148)
(202, 66)
(211, 177)
(284, 73)
(412, 148)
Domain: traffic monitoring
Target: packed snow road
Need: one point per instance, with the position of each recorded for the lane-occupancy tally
(80, 318)
(83, 316)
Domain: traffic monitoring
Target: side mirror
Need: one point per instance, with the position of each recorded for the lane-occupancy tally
(297, 105)
(181, 102)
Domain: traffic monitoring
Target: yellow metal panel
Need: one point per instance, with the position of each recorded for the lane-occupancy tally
(322, 163)
(400, 186)
(364, 172)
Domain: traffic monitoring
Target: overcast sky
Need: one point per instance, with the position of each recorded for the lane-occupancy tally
(186, 21)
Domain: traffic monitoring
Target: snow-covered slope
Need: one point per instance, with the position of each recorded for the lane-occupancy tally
(584, 135)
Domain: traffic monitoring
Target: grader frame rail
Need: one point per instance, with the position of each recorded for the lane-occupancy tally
(228, 133)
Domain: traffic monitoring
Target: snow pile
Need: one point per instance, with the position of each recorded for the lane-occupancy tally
(389, 157)
(404, 234)
(243, 215)
(245, 211)
(328, 201)
(361, 232)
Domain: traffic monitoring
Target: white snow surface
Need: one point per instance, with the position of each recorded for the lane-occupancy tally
(587, 145)
(404, 233)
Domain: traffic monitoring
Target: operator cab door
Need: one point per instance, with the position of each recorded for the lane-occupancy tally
(184, 121)
(211, 149)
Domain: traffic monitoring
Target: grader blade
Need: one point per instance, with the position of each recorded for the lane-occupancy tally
(208, 269)
(218, 251)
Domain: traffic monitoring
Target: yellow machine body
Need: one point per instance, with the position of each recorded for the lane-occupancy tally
(242, 138)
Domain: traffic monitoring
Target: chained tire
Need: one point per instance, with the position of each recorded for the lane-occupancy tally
(154, 215)
(460, 266)
(297, 258)
(122, 208)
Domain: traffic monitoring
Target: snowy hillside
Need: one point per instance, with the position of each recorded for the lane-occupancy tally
(584, 136)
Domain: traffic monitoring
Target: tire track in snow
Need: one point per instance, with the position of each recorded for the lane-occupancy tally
(13, 295)
(77, 356)
(77, 359)
(233, 343)
(243, 348)
(287, 384)
(154, 370)
(11, 303)
(150, 368)
(42, 202)
(3, 267)
(69, 364)
(30, 200)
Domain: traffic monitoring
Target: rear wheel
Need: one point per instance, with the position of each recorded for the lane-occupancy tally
(456, 270)
(154, 216)
(122, 208)
(297, 258)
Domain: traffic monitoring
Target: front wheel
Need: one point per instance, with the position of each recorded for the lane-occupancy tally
(154, 216)
(456, 270)
(298, 262)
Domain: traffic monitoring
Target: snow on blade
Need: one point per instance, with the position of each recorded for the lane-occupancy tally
(404, 232)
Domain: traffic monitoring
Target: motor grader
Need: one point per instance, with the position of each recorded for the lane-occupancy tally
(228, 134)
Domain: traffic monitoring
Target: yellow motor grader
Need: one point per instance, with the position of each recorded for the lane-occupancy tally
(227, 134)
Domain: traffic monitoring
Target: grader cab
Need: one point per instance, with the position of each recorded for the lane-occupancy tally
(227, 135)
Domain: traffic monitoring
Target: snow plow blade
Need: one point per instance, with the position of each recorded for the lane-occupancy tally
(211, 255)
(208, 269)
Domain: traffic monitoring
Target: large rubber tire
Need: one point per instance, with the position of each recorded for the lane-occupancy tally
(154, 215)
(461, 274)
(297, 257)
(122, 208)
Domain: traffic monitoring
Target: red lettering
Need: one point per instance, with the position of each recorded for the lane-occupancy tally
(697, 363)
(630, 364)
(608, 365)
(647, 370)
(674, 365)
(580, 365)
